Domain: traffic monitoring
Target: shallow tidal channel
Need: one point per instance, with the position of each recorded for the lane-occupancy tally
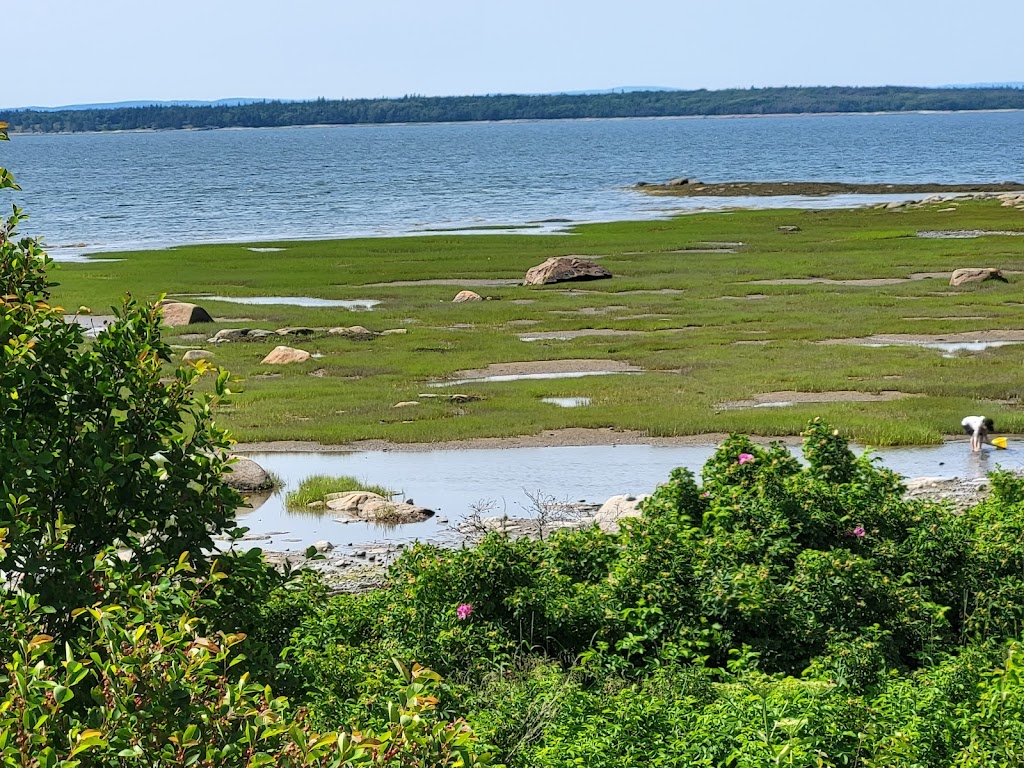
(502, 481)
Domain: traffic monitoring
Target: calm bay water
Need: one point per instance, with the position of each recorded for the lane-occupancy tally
(153, 189)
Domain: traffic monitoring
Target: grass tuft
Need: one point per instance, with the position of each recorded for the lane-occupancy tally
(316, 487)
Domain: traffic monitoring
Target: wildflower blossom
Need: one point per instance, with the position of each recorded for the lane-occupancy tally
(859, 532)
(464, 611)
(745, 457)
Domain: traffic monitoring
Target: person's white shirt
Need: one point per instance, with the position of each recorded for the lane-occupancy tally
(974, 423)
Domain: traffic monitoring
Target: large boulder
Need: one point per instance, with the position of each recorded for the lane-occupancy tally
(976, 275)
(560, 269)
(374, 507)
(463, 296)
(286, 356)
(615, 509)
(246, 475)
(182, 313)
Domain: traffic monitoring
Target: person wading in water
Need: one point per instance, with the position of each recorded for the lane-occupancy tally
(978, 428)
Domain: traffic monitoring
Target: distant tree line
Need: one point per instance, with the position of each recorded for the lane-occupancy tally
(423, 109)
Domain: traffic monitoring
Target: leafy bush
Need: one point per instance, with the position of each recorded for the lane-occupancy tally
(94, 438)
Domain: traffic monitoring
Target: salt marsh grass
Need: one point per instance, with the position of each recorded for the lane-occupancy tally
(693, 343)
(315, 487)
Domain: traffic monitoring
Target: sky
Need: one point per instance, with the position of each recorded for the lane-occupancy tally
(74, 52)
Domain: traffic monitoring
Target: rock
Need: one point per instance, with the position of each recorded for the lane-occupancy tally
(229, 334)
(285, 356)
(352, 332)
(897, 204)
(246, 475)
(372, 506)
(323, 546)
(195, 355)
(976, 275)
(405, 404)
(788, 228)
(679, 182)
(961, 494)
(561, 269)
(615, 509)
(299, 331)
(315, 505)
(462, 296)
(349, 501)
(258, 333)
(460, 398)
(394, 332)
(180, 313)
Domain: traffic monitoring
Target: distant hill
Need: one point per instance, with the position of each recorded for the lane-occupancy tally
(618, 103)
(620, 89)
(132, 104)
(988, 85)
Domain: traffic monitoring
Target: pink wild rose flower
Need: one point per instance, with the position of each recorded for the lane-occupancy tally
(464, 611)
(745, 457)
(859, 532)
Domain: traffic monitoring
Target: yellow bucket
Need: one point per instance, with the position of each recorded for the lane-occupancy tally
(999, 442)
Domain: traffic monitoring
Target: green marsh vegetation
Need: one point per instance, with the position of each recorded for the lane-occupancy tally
(315, 487)
(704, 331)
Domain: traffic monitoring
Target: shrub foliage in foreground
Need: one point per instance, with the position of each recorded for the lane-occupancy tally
(782, 612)
(112, 651)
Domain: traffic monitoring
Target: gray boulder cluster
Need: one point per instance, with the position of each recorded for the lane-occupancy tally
(357, 332)
(363, 505)
(1006, 199)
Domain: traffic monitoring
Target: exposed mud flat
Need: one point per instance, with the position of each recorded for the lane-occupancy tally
(747, 297)
(539, 369)
(785, 399)
(576, 334)
(813, 188)
(867, 281)
(967, 341)
(966, 234)
(951, 317)
(589, 311)
(585, 332)
(473, 282)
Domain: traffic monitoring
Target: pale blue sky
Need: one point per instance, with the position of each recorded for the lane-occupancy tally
(70, 51)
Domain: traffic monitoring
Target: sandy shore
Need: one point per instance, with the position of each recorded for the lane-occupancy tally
(555, 438)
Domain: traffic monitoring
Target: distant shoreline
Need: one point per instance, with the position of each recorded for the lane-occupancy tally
(15, 132)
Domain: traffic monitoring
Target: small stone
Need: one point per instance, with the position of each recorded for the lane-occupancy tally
(405, 404)
(195, 355)
(463, 296)
(323, 546)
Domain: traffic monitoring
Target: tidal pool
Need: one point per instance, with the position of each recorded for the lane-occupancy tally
(949, 347)
(567, 402)
(452, 482)
(525, 376)
(298, 301)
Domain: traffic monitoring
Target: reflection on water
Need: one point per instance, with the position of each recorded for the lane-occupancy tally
(451, 482)
(567, 402)
(949, 347)
(525, 376)
(298, 301)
